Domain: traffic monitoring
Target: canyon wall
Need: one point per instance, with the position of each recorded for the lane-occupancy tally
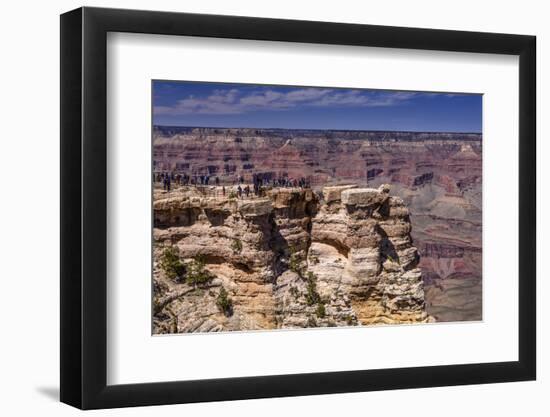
(437, 175)
(290, 259)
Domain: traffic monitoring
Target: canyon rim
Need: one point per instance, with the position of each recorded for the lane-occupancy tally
(280, 207)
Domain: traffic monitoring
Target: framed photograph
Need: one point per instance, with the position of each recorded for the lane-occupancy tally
(258, 208)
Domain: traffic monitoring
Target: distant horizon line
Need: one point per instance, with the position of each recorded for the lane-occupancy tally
(320, 130)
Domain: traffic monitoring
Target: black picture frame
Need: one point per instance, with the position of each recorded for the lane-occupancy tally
(84, 207)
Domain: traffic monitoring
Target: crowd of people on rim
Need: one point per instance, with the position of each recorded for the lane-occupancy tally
(259, 182)
(166, 179)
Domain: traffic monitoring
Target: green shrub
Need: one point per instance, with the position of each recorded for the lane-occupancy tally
(232, 195)
(312, 296)
(237, 246)
(157, 306)
(321, 311)
(224, 303)
(171, 265)
(196, 272)
(294, 262)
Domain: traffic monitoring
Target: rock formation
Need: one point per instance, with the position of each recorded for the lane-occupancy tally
(438, 176)
(291, 259)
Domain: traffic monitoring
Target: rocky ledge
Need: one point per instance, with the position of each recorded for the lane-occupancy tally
(290, 259)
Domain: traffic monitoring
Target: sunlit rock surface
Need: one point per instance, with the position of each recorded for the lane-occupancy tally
(438, 176)
(299, 262)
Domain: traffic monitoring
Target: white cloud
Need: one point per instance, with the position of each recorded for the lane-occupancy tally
(233, 101)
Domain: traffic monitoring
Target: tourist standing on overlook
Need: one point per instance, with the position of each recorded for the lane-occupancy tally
(167, 182)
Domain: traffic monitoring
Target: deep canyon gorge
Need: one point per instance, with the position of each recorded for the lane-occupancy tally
(388, 230)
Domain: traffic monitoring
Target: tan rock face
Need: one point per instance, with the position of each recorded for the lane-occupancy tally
(438, 175)
(363, 197)
(285, 260)
(334, 193)
(371, 232)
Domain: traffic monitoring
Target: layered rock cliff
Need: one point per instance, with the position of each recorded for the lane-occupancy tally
(438, 176)
(291, 259)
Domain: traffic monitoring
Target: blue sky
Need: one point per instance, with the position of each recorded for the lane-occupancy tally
(263, 106)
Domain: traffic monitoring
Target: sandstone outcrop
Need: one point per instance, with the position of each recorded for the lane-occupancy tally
(438, 176)
(289, 259)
